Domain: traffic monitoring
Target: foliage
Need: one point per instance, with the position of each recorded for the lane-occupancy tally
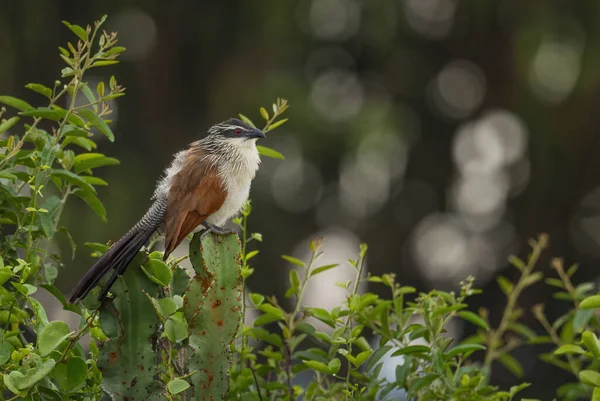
(166, 335)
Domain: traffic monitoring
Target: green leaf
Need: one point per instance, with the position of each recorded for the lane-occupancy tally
(265, 319)
(412, 349)
(517, 262)
(581, 319)
(569, 349)
(41, 89)
(71, 374)
(377, 355)
(8, 124)
(5, 350)
(92, 201)
(321, 269)
(73, 179)
(511, 364)
(590, 377)
(256, 299)
(294, 281)
(591, 342)
(318, 366)
(464, 349)
(16, 103)
(71, 130)
(590, 302)
(264, 113)
(77, 30)
(293, 260)
(167, 307)
(505, 285)
(176, 328)
(247, 120)
(176, 386)
(362, 357)
(157, 271)
(25, 289)
(52, 336)
(97, 122)
(103, 63)
(94, 180)
(268, 152)
(322, 315)
(87, 161)
(277, 124)
(532, 279)
(33, 375)
(44, 112)
(474, 318)
(334, 366)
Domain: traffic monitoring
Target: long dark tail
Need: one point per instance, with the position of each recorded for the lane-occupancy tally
(121, 253)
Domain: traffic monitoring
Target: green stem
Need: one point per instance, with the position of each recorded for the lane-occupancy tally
(513, 297)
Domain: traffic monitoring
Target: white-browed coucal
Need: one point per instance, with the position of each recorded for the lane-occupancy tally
(204, 186)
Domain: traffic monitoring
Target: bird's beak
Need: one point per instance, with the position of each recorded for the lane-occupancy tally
(255, 133)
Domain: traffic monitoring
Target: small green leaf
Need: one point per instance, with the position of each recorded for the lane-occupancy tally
(266, 319)
(590, 302)
(362, 357)
(511, 364)
(247, 120)
(590, 377)
(322, 315)
(176, 386)
(321, 269)
(264, 113)
(569, 349)
(8, 124)
(475, 319)
(591, 342)
(277, 124)
(71, 374)
(92, 201)
(412, 349)
(505, 285)
(256, 299)
(87, 161)
(318, 366)
(167, 307)
(293, 260)
(52, 336)
(33, 375)
(176, 328)
(334, 366)
(73, 178)
(268, 152)
(16, 103)
(41, 89)
(157, 271)
(94, 180)
(97, 122)
(516, 262)
(25, 289)
(464, 349)
(77, 30)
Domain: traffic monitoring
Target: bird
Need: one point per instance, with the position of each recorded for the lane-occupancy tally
(204, 186)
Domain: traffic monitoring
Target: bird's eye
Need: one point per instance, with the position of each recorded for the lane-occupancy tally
(238, 131)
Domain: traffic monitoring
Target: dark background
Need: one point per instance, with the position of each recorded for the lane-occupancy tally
(443, 133)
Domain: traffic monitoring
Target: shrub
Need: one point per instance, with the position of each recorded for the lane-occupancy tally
(166, 335)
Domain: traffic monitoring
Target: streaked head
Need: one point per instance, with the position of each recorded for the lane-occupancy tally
(235, 130)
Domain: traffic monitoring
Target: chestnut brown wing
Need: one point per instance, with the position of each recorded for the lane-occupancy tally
(196, 192)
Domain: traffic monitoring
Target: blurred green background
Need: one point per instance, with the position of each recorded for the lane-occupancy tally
(443, 133)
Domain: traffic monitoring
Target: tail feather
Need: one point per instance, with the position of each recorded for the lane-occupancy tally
(121, 253)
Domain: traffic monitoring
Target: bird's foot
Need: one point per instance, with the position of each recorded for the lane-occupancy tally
(215, 229)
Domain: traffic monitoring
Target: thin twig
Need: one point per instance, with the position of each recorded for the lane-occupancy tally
(288, 368)
(255, 380)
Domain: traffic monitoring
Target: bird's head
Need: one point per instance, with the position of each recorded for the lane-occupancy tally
(235, 131)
